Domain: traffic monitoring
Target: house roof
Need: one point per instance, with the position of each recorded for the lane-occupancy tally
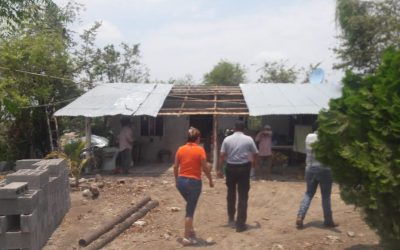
(166, 99)
(204, 100)
(288, 99)
(118, 98)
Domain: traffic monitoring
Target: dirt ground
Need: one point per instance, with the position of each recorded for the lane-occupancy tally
(271, 216)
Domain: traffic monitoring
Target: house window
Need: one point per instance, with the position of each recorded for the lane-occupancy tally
(151, 126)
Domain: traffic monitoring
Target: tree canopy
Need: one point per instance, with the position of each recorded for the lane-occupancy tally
(278, 72)
(367, 29)
(225, 73)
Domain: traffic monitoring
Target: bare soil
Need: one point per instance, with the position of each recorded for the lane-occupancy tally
(272, 211)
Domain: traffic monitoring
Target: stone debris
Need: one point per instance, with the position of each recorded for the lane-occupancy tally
(98, 178)
(210, 240)
(351, 234)
(94, 189)
(140, 223)
(174, 209)
(167, 236)
(276, 246)
(86, 193)
(333, 238)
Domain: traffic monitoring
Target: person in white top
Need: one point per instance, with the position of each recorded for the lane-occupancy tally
(125, 140)
(316, 174)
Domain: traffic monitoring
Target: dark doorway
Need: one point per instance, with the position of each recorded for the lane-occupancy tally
(204, 123)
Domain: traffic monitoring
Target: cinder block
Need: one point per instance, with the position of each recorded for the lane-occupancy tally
(13, 190)
(18, 240)
(36, 178)
(55, 166)
(3, 224)
(29, 222)
(24, 204)
(26, 164)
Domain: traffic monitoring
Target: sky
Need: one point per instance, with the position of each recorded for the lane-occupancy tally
(189, 37)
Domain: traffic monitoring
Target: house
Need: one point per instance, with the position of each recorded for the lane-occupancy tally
(162, 113)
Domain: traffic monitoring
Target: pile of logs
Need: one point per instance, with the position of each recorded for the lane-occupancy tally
(117, 225)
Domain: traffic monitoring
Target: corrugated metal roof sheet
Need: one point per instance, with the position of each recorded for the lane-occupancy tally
(118, 98)
(288, 99)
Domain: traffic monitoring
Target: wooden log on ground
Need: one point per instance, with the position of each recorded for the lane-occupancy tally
(91, 236)
(105, 239)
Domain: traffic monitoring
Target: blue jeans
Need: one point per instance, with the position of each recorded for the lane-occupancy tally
(323, 177)
(190, 190)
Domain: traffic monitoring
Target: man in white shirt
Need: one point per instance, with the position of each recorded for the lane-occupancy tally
(236, 150)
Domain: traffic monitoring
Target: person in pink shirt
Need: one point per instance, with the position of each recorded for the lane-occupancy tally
(125, 141)
(264, 142)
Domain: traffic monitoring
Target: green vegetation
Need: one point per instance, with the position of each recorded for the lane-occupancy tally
(359, 138)
(225, 73)
(367, 29)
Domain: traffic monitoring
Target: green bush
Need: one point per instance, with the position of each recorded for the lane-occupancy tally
(359, 138)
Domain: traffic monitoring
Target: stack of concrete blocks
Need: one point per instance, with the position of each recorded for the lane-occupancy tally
(33, 202)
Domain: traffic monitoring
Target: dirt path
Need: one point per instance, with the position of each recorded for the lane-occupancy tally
(272, 211)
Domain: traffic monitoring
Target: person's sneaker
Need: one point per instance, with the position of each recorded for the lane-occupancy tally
(331, 224)
(299, 222)
(241, 228)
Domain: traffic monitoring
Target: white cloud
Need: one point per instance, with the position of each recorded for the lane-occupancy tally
(181, 37)
(302, 34)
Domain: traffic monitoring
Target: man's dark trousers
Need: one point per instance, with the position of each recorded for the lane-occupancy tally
(238, 175)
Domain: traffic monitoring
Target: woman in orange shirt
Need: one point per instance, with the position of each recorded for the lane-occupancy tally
(190, 160)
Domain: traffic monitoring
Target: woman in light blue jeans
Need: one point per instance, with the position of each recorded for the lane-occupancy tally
(315, 175)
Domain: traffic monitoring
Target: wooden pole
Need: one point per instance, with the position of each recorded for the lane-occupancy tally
(88, 132)
(123, 226)
(91, 236)
(215, 142)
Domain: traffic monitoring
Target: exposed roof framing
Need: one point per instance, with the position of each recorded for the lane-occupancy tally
(204, 100)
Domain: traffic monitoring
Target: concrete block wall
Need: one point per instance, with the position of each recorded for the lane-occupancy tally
(33, 202)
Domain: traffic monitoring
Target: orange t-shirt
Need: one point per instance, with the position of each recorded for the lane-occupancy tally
(189, 158)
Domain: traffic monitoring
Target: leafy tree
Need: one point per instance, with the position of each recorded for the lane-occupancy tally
(186, 80)
(86, 56)
(225, 73)
(359, 139)
(36, 67)
(109, 64)
(367, 29)
(13, 12)
(277, 72)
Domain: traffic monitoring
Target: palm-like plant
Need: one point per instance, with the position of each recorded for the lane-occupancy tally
(72, 154)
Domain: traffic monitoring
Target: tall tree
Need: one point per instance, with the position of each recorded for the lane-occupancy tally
(278, 72)
(367, 29)
(36, 71)
(225, 73)
(109, 63)
(13, 12)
